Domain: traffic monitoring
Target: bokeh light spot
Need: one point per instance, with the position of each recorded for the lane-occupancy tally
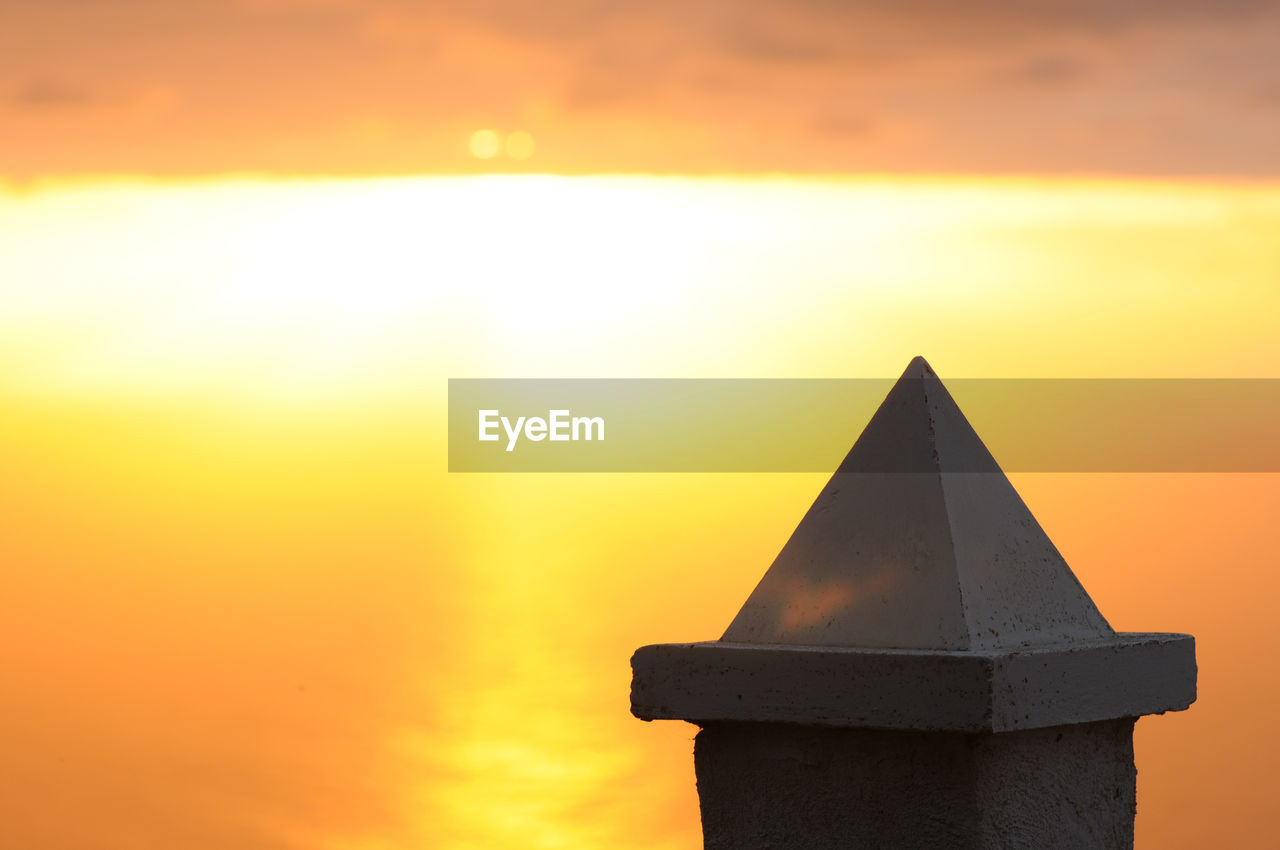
(520, 145)
(485, 144)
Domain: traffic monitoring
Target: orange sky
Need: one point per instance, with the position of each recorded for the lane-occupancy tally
(246, 607)
(389, 86)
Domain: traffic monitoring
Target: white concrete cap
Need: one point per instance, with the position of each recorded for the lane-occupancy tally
(912, 594)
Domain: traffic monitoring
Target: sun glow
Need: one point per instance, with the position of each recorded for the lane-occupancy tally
(327, 286)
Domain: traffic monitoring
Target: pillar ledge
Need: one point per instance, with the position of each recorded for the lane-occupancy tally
(1128, 675)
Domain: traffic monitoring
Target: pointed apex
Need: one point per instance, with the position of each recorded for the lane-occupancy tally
(918, 428)
(918, 541)
(918, 368)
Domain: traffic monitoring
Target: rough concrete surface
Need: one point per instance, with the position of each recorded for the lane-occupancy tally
(1127, 675)
(786, 787)
(918, 541)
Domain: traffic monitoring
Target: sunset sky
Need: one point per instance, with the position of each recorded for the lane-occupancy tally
(245, 244)
(1186, 87)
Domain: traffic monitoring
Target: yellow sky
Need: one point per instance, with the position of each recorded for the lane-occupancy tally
(378, 287)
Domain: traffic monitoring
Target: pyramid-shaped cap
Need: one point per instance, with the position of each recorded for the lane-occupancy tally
(918, 541)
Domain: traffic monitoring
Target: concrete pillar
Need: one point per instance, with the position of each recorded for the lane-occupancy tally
(918, 668)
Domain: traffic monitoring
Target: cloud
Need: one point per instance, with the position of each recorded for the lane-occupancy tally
(1047, 71)
(45, 94)
(848, 125)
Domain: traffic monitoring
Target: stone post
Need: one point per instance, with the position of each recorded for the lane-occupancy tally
(919, 668)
